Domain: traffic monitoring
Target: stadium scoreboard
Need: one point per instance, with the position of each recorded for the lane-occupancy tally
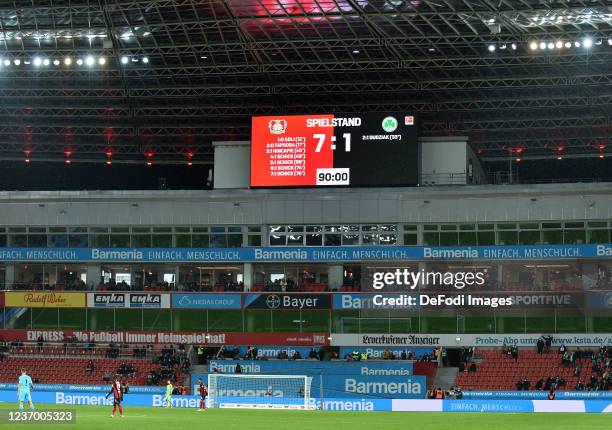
(375, 149)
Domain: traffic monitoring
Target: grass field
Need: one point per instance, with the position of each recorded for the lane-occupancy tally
(98, 417)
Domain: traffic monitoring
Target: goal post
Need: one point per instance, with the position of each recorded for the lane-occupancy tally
(259, 391)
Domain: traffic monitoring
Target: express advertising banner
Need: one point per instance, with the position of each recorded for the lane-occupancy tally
(166, 337)
(128, 300)
(280, 301)
(35, 299)
(374, 149)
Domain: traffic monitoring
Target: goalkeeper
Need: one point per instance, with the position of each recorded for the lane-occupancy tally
(23, 390)
(168, 398)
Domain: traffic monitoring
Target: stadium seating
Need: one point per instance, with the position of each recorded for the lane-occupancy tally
(77, 350)
(47, 370)
(497, 371)
(54, 363)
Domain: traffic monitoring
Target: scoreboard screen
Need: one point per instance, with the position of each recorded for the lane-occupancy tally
(375, 149)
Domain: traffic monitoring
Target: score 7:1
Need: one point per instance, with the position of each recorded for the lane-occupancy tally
(321, 141)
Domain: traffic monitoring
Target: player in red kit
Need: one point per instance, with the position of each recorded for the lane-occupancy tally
(117, 391)
(203, 393)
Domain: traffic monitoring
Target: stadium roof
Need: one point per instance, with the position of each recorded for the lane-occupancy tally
(529, 78)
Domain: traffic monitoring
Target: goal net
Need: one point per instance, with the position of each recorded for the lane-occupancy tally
(259, 391)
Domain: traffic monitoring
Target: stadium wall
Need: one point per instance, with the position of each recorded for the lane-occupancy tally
(265, 208)
(488, 203)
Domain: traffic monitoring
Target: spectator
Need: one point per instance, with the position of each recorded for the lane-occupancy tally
(186, 366)
(90, 367)
(547, 343)
(249, 354)
(437, 354)
(526, 384)
(313, 355)
(592, 386)
(126, 370)
(238, 368)
(549, 383)
(540, 384)
(514, 352)
(458, 393)
(566, 359)
(387, 355)
(578, 354)
(540, 344)
(559, 382)
(40, 342)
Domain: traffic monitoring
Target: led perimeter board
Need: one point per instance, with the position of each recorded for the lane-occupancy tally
(357, 150)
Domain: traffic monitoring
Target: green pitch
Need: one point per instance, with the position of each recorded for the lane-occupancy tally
(98, 418)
